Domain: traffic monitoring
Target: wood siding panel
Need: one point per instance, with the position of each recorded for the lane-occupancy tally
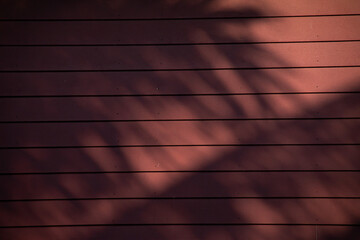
(179, 57)
(224, 232)
(182, 185)
(181, 133)
(177, 107)
(180, 211)
(191, 158)
(163, 232)
(180, 120)
(181, 82)
(168, 9)
(181, 32)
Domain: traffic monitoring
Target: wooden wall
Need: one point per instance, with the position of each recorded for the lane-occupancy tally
(218, 119)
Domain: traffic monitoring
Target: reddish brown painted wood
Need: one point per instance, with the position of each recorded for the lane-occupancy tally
(166, 232)
(190, 82)
(178, 107)
(166, 9)
(164, 133)
(331, 232)
(194, 31)
(175, 184)
(188, 232)
(236, 211)
(258, 210)
(183, 57)
(181, 159)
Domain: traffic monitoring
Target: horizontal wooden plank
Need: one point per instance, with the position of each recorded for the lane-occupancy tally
(180, 184)
(184, 82)
(194, 31)
(160, 232)
(178, 107)
(223, 158)
(181, 133)
(223, 232)
(166, 9)
(333, 232)
(180, 57)
(230, 211)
